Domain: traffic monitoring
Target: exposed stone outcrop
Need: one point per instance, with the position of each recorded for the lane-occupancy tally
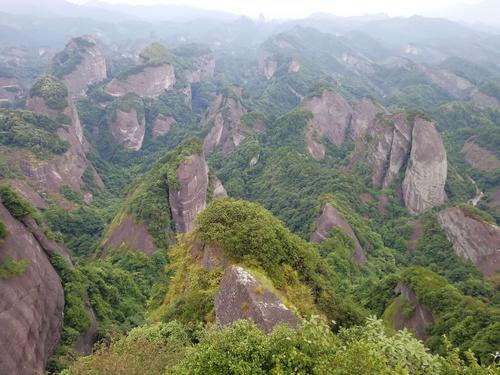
(132, 235)
(479, 157)
(227, 131)
(419, 319)
(218, 189)
(331, 116)
(425, 177)
(268, 64)
(162, 125)
(331, 218)
(151, 81)
(90, 69)
(241, 296)
(191, 196)
(128, 129)
(473, 239)
(31, 305)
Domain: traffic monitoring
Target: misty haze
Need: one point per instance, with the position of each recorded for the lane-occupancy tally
(261, 187)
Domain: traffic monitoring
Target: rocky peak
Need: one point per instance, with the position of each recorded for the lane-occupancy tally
(80, 65)
(31, 304)
(241, 296)
(473, 238)
(227, 131)
(331, 116)
(190, 197)
(127, 122)
(425, 177)
(331, 218)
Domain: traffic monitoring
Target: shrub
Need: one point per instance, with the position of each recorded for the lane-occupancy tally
(17, 206)
(52, 91)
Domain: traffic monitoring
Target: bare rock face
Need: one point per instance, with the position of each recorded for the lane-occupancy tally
(479, 157)
(400, 148)
(268, 64)
(425, 177)
(91, 68)
(473, 239)
(241, 296)
(331, 116)
(68, 168)
(10, 90)
(227, 132)
(132, 235)
(31, 305)
(128, 129)
(331, 218)
(456, 86)
(191, 198)
(203, 69)
(421, 317)
(162, 125)
(219, 189)
(152, 81)
(365, 113)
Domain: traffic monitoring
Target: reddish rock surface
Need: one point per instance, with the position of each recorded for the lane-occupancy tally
(203, 68)
(425, 177)
(219, 191)
(162, 126)
(90, 70)
(191, 198)
(31, 305)
(152, 81)
(479, 157)
(473, 239)
(133, 236)
(421, 317)
(331, 218)
(227, 132)
(128, 130)
(241, 296)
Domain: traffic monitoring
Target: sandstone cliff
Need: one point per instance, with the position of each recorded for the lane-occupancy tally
(162, 125)
(473, 239)
(190, 197)
(425, 177)
(241, 296)
(146, 81)
(31, 305)
(128, 128)
(227, 131)
(331, 218)
(89, 69)
(202, 68)
(406, 311)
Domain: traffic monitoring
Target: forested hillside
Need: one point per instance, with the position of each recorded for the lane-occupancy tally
(319, 196)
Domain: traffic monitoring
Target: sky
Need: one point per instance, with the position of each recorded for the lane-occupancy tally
(302, 8)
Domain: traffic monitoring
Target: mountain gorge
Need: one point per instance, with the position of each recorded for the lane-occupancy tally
(224, 196)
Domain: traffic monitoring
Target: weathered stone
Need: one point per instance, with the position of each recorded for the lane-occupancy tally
(134, 236)
(162, 126)
(152, 81)
(425, 177)
(419, 320)
(31, 305)
(331, 218)
(218, 189)
(473, 239)
(187, 201)
(203, 68)
(91, 69)
(129, 130)
(241, 296)
(479, 157)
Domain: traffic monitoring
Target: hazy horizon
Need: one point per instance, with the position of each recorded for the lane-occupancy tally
(279, 9)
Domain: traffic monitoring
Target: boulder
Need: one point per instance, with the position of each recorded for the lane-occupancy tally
(128, 129)
(425, 177)
(190, 197)
(331, 218)
(473, 239)
(241, 296)
(31, 304)
(150, 81)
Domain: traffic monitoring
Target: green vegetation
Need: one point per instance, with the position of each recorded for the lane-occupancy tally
(467, 322)
(3, 231)
(68, 59)
(33, 131)
(127, 103)
(16, 205)
(52, 91)
(10, 268)
(155, 54)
